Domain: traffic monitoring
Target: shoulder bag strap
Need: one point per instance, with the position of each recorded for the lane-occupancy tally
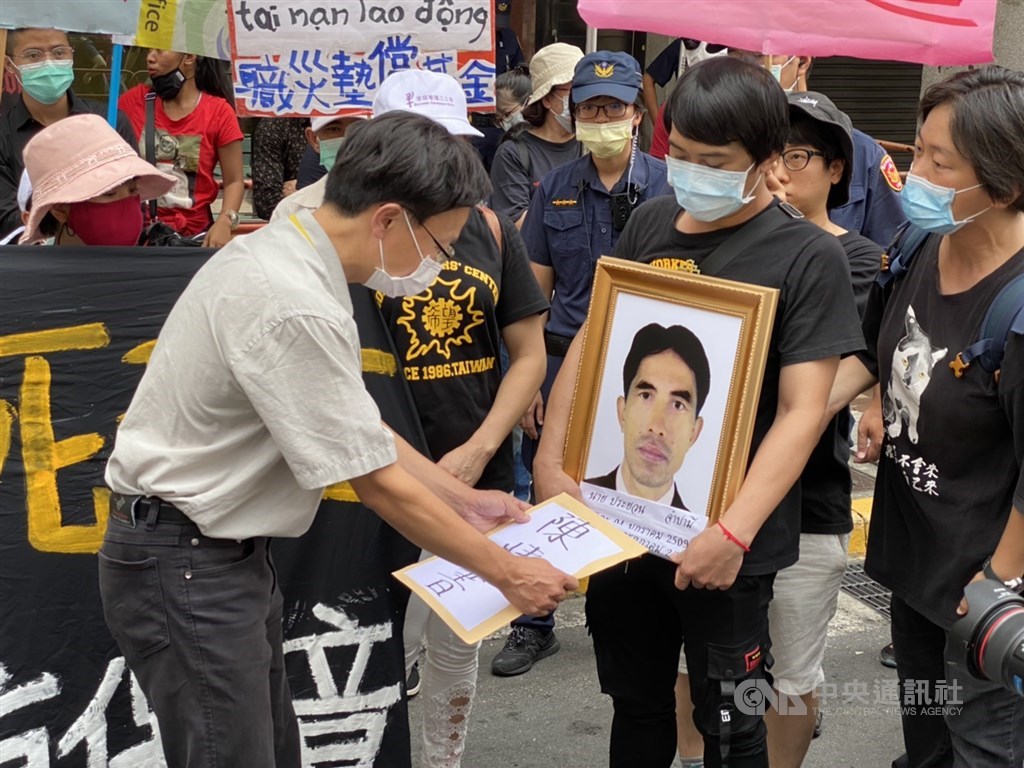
(747, 236)
(493, 224)
(150, 139)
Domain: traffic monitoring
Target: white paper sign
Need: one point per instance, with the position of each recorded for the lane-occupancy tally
(664, 530)
(269, 26)
(557, 530)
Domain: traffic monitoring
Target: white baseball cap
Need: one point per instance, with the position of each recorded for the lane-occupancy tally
(431, 94)
(318, 123)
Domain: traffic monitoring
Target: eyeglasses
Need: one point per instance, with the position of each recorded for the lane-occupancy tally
(797, 159)
(613, 111)
(443, 252)
(35, 55)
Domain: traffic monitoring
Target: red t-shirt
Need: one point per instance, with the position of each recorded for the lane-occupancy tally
(659, 142)
(186, 149)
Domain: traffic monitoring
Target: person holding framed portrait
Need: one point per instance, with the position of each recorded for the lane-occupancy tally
(723, 222)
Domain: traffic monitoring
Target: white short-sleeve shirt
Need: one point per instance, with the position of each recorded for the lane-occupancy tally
(253, 400)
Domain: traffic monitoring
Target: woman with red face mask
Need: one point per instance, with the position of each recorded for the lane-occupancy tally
(195, 130)
(88, 184)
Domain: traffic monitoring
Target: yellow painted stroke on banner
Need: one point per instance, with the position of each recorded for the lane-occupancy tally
(43, 455)
(88, 336)
(139, 355)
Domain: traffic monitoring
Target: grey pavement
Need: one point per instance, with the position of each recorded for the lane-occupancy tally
(556, 717)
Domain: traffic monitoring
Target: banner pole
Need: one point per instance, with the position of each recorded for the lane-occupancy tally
(115, 84)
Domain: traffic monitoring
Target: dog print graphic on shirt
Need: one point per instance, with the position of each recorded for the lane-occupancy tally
(912, 364)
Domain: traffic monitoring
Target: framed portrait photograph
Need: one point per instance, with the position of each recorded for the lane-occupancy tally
(666, 395)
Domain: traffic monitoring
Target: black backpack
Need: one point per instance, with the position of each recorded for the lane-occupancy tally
(1005, 314)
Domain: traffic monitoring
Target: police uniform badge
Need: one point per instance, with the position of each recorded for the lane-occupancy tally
(890, 173)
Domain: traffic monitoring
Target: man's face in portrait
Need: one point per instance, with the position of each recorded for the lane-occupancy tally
(659, 422)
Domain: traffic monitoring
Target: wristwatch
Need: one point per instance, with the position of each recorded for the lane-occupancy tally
(1014, 585)
(232, 218)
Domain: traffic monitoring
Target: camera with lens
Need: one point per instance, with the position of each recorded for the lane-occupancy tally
(989, 640)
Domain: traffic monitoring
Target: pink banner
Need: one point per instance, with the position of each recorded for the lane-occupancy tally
(925, 31)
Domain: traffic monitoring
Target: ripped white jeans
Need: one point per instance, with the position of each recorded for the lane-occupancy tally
(448, 678)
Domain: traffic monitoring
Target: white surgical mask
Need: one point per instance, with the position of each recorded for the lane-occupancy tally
(709, 194)
(563, 118)
(776, 70)
(417, 282)
(511, 121)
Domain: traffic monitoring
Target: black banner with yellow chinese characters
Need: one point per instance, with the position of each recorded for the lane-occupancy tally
(77, 326)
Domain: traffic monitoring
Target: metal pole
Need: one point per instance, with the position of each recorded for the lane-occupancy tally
(115, 84)
(591, 40)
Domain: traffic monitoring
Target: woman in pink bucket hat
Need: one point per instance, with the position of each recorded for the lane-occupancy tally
(88, 184)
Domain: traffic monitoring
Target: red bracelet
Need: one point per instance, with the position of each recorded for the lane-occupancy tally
(729, 535)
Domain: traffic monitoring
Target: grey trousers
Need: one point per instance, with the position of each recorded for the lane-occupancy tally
(199, 623)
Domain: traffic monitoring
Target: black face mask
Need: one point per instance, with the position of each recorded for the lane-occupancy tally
(168, 86)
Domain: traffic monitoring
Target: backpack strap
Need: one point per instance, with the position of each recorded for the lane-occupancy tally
(1005, 315)
(901, 251)
(898, 256)
(150, 137)
(493, 224)
(524, 155)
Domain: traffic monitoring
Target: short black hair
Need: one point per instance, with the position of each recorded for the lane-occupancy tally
(806, 131)
(12, 35)
(653, 339)
(727, 99)
(987, 124)
(400, 157)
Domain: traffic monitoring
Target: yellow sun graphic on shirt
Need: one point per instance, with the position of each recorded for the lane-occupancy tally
(439, 319)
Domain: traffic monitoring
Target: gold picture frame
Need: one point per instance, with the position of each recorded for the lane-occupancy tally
(733, 323)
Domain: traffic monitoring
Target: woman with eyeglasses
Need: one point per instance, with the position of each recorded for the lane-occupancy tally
(195, 130)
(948, 509)
(547, 143)
(42, 61)
(512, 91)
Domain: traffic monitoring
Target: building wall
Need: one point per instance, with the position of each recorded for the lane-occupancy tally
(1007, 45)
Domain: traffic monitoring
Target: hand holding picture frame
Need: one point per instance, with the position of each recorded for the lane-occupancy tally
(665, 400)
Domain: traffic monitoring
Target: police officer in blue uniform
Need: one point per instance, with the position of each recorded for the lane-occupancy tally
(574, 218)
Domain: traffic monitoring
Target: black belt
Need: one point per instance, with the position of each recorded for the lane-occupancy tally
(556, 346)
(131, 510)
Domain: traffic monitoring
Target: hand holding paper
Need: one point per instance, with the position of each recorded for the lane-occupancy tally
(536, 587)
(561, 530)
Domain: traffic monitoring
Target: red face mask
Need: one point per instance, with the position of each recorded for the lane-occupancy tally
(116, 223)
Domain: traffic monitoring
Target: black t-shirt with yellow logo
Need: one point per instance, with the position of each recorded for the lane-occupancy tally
(449, 338)
(816, 318)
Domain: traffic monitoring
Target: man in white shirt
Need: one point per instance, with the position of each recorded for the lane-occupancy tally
(253, 403)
